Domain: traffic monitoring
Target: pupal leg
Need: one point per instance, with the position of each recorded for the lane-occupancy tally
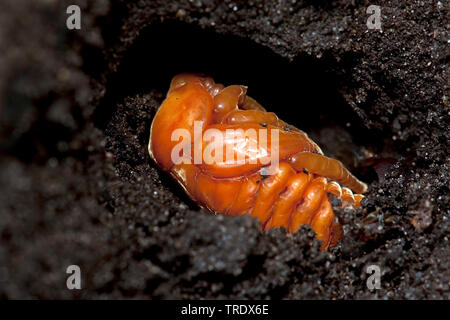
(182, 79)
(265, 119)
(251, 104)
(327, 167)
(251, 116)
(227, 100)
(261, 116)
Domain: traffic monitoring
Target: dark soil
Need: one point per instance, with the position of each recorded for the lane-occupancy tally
(78, 187)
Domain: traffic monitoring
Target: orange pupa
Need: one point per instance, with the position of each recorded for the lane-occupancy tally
(296, 191)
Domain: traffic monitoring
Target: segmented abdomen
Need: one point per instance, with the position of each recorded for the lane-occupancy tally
(285, 199)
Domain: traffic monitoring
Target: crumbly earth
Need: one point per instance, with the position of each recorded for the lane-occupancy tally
(77, 186)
